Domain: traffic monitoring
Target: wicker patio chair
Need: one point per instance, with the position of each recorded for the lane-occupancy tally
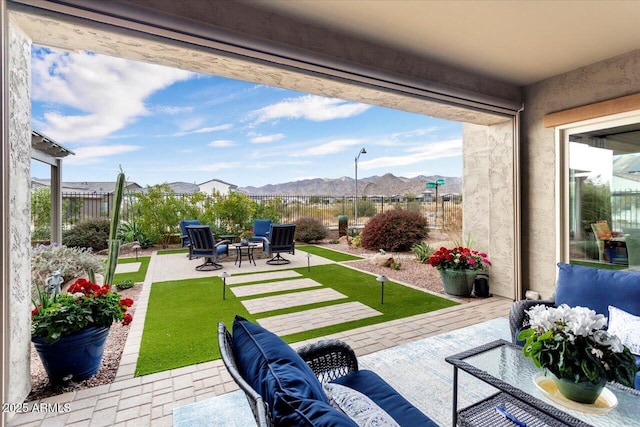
(328, 359)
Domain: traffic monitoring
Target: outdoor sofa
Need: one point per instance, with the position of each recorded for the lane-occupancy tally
(289, 388)
(596, 289)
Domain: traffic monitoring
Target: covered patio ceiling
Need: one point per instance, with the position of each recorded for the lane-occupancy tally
(516, 41)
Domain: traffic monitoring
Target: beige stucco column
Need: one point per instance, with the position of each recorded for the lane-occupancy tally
(489, 196)
(16, 144)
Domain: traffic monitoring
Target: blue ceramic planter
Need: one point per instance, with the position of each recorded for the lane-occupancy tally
(75, 357)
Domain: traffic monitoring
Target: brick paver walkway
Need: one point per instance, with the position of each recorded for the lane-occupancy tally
(307, 320)
(295, 299)
(263, 288)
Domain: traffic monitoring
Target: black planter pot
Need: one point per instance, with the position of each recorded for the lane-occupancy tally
(481, 285)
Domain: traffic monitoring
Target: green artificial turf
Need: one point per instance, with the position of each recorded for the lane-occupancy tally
(136, 276)
(182, 316)
(600, 265)
(328, 253)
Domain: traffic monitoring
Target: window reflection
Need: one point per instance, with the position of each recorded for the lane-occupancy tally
(604, 196)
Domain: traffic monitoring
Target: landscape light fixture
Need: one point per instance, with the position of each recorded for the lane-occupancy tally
(382, 278)
(308, 262)
(362, 151)
(224, 276)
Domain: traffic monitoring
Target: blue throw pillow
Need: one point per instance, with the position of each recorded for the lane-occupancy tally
(271, 366)
(598, 289)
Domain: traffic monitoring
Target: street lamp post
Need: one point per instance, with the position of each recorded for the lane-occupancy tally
(362, 151)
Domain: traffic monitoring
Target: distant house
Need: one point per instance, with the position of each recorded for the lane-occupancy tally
(184, 187)
(217, 185)
(86, 199)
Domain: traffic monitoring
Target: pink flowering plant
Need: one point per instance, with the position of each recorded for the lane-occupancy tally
(84, 305)
(572, 343)
(459, 258)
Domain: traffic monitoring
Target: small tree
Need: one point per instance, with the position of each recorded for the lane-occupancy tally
(159, 213)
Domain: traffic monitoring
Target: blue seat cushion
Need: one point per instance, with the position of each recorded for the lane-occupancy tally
(296, 412)
(370, 384)
(271, 366)
(598, 289)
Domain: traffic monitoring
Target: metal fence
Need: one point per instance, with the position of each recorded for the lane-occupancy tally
(445, 212)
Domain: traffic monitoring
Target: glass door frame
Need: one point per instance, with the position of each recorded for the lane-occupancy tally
(562, 134)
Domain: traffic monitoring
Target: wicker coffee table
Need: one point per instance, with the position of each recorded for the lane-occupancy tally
(502, 365)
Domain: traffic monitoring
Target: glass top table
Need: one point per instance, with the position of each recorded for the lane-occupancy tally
(502, 365)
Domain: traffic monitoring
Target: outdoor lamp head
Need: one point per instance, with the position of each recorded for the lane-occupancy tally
(362, 151)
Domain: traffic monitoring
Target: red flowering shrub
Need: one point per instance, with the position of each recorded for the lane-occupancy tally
(459, 259)
(85, 304)
(394, 231)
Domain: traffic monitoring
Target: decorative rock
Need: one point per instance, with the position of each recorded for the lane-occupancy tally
(383, 260)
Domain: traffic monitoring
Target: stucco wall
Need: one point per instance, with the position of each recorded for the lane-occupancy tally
(19, 231)
(488, 195)
(605, 80)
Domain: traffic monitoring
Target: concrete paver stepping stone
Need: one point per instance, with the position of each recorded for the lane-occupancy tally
(258, 277)
(129, 267)
(264, 288)
(294, 299)
(301, 321)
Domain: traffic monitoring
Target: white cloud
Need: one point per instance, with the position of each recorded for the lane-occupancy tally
(95, 154)
(108, 92)
(330, 147)
(432, 151)
(310, 107)
(209, 129)
(264, 139)
(221, 143)
(172, 110)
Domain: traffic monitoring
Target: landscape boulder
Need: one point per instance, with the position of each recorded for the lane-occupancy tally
(383, 260)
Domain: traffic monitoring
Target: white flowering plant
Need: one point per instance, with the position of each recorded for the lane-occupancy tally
(572, 343)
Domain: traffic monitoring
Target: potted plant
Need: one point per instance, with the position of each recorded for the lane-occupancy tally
(69, 330)
(572, 344)
(458, 268)
(245, 236)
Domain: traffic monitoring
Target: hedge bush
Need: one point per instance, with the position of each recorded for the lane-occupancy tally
(394, 231)
(310, 230)
(88, 233)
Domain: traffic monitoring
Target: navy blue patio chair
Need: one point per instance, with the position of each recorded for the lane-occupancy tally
(203, 245)
(261, 229)
(280, 240)
(184, 238)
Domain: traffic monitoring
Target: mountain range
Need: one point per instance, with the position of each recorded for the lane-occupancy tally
(385, 185)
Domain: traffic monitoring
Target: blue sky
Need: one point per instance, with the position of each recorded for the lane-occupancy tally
(166, 125)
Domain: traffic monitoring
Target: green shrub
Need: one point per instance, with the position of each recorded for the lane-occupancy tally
(71, 262)
(423, 252)
(125, 284)
(394, 231)
(89, 233)
(396, 265)
(42, 232)
(357, 241)
(310, 230)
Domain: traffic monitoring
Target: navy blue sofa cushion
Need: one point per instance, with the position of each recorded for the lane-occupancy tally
(308, 413)
(598, 289)
(271, 366)
(369, 383)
